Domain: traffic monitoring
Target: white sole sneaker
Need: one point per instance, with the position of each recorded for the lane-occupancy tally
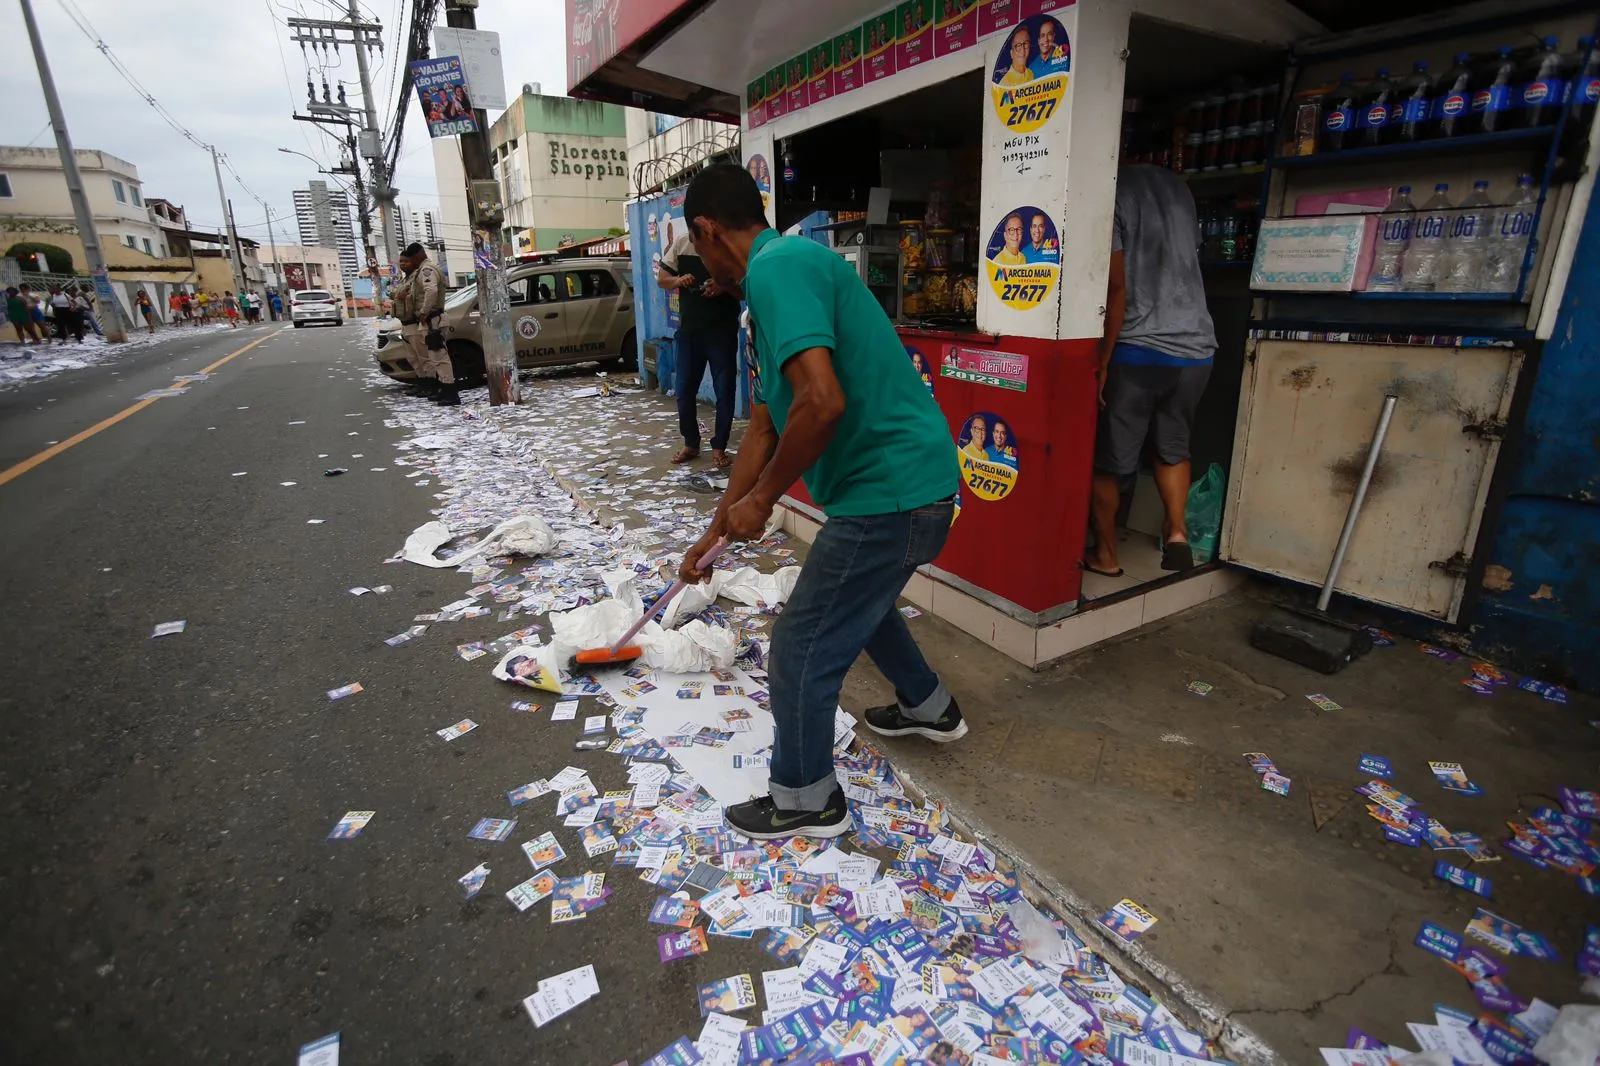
(938, 736)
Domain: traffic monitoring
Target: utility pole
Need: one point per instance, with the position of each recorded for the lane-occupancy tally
(227, 221)
(330, 35)
(94, 256)
(272, 242)
(486, 204)
(372, 148)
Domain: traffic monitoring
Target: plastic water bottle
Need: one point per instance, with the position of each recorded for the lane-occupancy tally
(1543, 90)
(1452, 108)
(1467, 242)
(1409, 119)
(1585, 84)
(1420, 266)
(1372, 117)
(1394, 233)
(1491, 100)
(1508, 239)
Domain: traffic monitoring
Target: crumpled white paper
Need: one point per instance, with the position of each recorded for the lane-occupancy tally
(693, 647)
(518, 535)
(1574, 1039)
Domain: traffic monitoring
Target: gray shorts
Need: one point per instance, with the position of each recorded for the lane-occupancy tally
(1147, 401)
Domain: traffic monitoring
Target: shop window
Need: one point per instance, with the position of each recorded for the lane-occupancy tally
(589, 284)
(119, 191)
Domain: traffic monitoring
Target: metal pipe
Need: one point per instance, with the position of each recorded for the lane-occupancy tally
(1360, 497)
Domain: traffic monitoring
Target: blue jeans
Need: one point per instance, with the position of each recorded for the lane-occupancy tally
(843, 605)
(695, 350)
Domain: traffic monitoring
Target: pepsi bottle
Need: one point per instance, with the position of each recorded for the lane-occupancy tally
(1543, 90)
(1584, 86)
(1491, 99)
(1372, 117)
(1413, 107)
(1452, 106)
(1339, 120)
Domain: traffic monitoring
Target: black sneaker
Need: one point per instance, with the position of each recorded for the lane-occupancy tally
(763, 819)
(889, 722)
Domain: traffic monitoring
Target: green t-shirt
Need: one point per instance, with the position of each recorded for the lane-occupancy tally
(892, 450)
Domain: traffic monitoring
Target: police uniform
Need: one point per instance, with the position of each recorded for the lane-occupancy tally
(424, 292)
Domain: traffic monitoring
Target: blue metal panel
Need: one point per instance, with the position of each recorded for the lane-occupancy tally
(653, 314)
(1540, 607)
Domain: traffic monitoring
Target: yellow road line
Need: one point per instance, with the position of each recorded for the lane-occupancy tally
(78, 438)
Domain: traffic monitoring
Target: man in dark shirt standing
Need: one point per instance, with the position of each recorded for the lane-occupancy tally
(708, 334)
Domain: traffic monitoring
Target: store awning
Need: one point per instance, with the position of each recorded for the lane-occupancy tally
(694, 57)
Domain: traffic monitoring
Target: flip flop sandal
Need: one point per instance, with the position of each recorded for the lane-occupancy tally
(1118, 572)
(1176, 555)
(686, 454)
(722, 462)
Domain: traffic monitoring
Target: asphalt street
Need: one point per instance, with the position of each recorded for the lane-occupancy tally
(169, 892)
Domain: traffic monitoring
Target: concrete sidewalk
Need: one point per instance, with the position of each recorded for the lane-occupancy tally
(1284, 918)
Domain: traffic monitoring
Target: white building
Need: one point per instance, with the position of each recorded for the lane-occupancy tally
(324, 218)
(34, 200)
(563, 170)
(455, 222)
(661, 148)
(415, 224)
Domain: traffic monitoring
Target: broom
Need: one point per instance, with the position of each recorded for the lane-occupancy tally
(622, 651)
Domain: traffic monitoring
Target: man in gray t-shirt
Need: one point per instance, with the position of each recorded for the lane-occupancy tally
(1155, 358)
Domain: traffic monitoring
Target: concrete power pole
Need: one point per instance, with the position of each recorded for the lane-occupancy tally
(499, 347)
(227, 221)
(372, 147)
(94, 256)
(272, 242)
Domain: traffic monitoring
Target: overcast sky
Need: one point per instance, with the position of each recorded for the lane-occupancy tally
(218, 67)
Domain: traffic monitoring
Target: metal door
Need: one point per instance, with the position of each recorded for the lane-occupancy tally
(1307, 411)
(538, 317)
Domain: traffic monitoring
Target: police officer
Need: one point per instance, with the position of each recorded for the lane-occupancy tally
(426, 302)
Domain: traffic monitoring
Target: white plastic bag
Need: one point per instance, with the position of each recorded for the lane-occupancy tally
(1574, 1039)
(520, 535)
(423, 542)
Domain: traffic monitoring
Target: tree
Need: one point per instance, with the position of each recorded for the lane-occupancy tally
(59, 260)
(616, 231)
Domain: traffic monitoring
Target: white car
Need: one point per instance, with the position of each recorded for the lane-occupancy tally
(314, 305)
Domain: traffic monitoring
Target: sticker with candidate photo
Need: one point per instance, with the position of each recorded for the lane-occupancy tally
(919, 363)
(988, 453)
(1030, 74)
(1024, 258)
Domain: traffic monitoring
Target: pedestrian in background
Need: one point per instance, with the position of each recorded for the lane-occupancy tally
(708, 335)
(275, 301)
(18, 314)
(202, 304)
(67, 317)
(175, 307)
(230, 308)
(147, 309)
(35, 304)
(85, 301)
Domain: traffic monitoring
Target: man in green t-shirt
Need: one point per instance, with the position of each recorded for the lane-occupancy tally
(838, 404)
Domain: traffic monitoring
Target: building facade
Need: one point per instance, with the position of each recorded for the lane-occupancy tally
(664, 150)
(562, 165)
(455, 224)
(325, 218)
(35, 205)
(304, 266)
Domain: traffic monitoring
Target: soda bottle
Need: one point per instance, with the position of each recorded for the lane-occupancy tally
(1373, 115)
(1491, 99)
(1339, 118)
(1420, 266)
(1467, 241)
(1509, 235)
(1584, 85)
(1394, 233)
(1413, 107)
(1452, 108)
(1543, 89)
(1228, 240)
